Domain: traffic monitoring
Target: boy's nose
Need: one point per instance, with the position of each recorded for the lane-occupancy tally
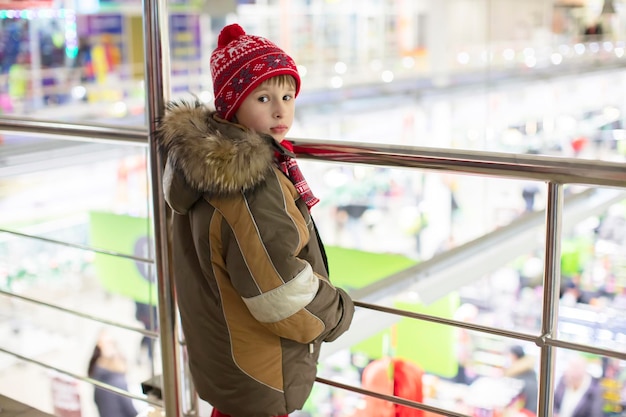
(280, 109)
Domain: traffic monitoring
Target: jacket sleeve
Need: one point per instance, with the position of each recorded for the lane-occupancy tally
(277, 270)
(346, 317)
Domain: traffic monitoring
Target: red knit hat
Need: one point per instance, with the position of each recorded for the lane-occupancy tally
(240, 63)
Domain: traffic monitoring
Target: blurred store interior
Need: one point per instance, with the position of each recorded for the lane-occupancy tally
(534, 77)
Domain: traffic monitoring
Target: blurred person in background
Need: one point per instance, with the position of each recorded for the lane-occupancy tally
(529, 194)
(105, 57)
(83, 63)
(578, 394)
(147, 314)
(465, 344)
(108, 365)
(522, 367)
(19, 83)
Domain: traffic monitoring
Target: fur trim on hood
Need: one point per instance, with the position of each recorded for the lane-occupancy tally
(209, 155)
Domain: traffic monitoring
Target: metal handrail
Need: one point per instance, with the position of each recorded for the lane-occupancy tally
(79, 246)
(498, 164)
(83, 132)
(157, 68)
(556, 169)
(148, 333)
(145, 398)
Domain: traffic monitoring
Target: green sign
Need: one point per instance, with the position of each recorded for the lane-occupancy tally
(124, 235)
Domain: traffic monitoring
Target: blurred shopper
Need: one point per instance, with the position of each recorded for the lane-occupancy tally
(522, 367)
(147, 314)
(571, 294)
(108, 365)
(83, 62)
(594, 31)
(250, 269)
(465, 344)
(105, 58)
(578, 394)
(619, 301)
(19, 77)
(417, 228)
(529, 193)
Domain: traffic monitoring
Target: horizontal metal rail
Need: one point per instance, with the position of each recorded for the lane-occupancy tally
(390, 398)
(82, 132)
(144, 332)
(553, 170)
(496, 164)
(435, 277)
(79, 246)
(92, 381)
(539, 340)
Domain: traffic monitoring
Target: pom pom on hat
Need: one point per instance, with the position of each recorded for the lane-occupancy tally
(240, 63)
(228, 34)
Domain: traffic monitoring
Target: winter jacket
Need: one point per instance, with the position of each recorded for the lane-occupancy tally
(249, 268)
(111, 404)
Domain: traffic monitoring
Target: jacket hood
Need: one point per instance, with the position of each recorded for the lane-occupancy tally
(209, 155)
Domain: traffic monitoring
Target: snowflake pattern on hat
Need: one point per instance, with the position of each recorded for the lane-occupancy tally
(240, 63)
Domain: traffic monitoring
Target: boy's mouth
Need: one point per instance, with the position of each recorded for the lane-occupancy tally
(279, 129)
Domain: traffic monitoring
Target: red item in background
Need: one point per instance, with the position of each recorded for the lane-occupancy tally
(406, 382)
(578, 144)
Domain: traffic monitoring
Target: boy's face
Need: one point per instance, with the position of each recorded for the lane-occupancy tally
(269, 109)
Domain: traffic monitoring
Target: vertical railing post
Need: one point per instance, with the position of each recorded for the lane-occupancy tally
(157, 70)
(552, 279)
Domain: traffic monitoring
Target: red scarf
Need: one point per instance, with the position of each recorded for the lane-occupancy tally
(289, 166)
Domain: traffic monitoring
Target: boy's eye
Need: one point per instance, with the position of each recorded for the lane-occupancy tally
(263, 99)
(287, 97)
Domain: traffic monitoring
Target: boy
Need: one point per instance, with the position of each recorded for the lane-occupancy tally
(249, 267)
